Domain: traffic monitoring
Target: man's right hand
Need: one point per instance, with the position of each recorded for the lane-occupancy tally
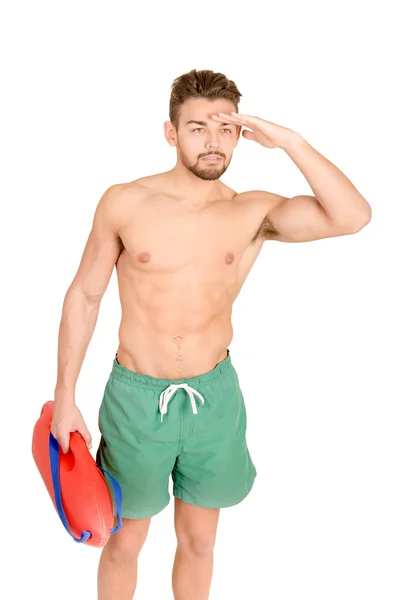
(67, 418)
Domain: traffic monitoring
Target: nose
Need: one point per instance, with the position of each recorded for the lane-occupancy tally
(212, 141)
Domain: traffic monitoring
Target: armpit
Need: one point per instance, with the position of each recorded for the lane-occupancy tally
(266, 231)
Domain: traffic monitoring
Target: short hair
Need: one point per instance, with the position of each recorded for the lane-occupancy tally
(200, 84)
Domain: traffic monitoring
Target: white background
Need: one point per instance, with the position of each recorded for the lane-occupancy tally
(86, 88)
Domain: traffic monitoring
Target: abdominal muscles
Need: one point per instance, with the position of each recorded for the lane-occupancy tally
(176, 322)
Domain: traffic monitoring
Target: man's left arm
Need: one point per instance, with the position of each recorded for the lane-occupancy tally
(337, 208)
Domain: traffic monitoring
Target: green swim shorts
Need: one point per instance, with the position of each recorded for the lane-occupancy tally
(192, 428)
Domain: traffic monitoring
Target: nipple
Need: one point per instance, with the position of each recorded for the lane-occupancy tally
(144, 257)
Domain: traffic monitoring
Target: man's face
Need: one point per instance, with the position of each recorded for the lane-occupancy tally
(199, 137)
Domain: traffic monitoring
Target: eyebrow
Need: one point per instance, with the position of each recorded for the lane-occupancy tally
(204, 123)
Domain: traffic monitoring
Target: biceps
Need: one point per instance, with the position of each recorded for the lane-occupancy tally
(299, 219)
(96, 266)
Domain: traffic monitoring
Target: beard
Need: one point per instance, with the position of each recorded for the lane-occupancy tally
(205, 170)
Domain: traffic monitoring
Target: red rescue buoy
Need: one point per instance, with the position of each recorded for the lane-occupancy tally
(76, 484)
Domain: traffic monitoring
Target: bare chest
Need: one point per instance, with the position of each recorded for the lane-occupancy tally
(167, 241)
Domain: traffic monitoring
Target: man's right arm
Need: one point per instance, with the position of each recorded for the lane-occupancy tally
(82, 300)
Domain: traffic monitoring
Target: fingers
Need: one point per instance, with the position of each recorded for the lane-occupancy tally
(62, 440)
(233, 118)
(64, 443)
(249, 135)
(223, 117)
(87, 437)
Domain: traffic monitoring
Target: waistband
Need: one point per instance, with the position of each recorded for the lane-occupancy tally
(222, 369)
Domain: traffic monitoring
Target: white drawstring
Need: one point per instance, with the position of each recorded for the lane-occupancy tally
(167, 394)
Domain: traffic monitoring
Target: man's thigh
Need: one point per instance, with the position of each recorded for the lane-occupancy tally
(136, 448)
(214, 468)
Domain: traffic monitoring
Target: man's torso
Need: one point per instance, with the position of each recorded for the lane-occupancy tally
(180, 269)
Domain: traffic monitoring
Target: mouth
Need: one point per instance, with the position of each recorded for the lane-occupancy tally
(212, 158)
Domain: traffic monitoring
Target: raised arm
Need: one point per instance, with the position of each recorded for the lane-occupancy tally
(82, 300)
(298, 218)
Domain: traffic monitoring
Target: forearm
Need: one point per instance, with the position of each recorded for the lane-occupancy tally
(333, 190)
(78, 321)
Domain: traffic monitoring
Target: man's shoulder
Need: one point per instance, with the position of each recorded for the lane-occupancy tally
(140, 189)
(133, 188)
(127, 193)
(119, 202)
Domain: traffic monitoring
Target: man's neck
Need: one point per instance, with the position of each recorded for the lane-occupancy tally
(188, 187)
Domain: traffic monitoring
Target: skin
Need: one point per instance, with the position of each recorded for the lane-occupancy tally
(209, 255)
(182, 243)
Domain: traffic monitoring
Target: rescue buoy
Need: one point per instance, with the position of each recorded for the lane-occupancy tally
(78, 489)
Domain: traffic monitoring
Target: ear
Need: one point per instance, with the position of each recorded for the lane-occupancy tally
(170, 133)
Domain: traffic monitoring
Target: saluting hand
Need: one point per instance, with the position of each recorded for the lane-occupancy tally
(269, 135)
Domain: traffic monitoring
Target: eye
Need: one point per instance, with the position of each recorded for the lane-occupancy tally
(199, 128)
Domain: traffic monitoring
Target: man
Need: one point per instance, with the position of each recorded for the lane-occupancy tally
(183, 244)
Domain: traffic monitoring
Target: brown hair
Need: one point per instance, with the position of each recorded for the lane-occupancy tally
(200, 84)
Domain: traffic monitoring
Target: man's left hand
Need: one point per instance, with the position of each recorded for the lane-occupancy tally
(269, 135)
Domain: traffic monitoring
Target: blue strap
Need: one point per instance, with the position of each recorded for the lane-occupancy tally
(55, 468)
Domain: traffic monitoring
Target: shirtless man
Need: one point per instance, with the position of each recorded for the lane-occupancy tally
(183, 244)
